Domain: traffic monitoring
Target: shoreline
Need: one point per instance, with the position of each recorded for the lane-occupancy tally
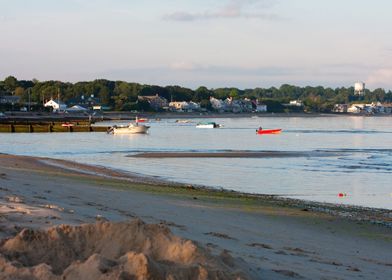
(114, 115)
(268, 236)
(379, 216)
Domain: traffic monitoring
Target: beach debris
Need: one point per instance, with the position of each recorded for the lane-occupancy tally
(54, 207)
(99, 217)
(14, 198)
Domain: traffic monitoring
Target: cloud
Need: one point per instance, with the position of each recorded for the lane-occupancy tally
(233, 9)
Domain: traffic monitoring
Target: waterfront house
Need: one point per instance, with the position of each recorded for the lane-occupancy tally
(178, 106)
(216, 104)
(9, 99)
(340, 108)
(156, 102)
(261, 108)
(183, 106)
(56, 106)
(297, 103)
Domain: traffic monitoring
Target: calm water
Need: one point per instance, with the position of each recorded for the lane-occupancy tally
(360, 161)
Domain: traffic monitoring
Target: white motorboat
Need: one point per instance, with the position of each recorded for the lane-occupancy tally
(129, 129)
(208, 125)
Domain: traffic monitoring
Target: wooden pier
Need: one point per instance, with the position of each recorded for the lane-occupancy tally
(49, 127)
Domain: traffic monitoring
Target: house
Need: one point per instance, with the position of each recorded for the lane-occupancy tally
(193, 106)
(356, 108)
(184, 106)
(9, 99)
(258, 107)
(362, 108)
(56, 106)
(388, 108)
(261, 108)
(340, 108)
(156, 102)
(178, 105)
(216, 104)
(297, 103)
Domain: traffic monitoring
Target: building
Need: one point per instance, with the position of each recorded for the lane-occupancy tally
(261, 108)
(156, 102)
(183, 106)
(56, 106)
(359, 88)
(178, 105)
(340, 108)
(216, 104)
(9, 99)
(362, 108)
(297, 103)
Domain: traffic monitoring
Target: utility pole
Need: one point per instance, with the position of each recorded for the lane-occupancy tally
(29, 91)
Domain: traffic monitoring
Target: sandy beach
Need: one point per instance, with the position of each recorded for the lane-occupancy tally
(62, 220)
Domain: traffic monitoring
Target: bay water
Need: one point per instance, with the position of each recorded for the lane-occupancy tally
(341, 159)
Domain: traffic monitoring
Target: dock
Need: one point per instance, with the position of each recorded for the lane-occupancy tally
(49, 127)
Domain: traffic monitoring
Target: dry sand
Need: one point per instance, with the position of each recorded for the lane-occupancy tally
(232, 236)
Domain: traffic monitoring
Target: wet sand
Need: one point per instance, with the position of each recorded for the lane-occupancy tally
(233, 154)
(266, 237)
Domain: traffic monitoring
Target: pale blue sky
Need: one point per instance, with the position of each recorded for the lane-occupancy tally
(242, 43)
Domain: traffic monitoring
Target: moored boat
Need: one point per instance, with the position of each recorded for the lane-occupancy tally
(183, 121)
(129, 129)
(208, 125)
(268, 131)
(138, 120)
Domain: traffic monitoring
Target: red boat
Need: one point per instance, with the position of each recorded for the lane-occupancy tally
(67, 124)
(268, 131)
(138, 120)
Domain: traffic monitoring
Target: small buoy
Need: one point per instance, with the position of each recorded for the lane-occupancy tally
(342, 194)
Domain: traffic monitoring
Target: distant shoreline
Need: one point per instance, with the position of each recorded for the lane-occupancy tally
(110, 116)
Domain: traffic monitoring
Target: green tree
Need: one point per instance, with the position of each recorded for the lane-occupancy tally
(10, 83)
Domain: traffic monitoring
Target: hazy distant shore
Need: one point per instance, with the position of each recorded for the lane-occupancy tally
(109, 116)
(277, 238)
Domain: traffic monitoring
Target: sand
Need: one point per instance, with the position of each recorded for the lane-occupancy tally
(61, 219)
(105, 250)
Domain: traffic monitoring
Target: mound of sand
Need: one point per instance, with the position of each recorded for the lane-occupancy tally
(127, 250)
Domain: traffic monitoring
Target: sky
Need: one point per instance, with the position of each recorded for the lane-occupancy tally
(226, 43)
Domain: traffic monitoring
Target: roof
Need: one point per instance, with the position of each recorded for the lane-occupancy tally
(77, 108)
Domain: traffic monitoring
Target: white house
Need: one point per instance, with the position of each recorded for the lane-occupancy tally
(340, 108)
(297, 103)
(55, 105)
(216, 103)
(178, 105)
(261, 108)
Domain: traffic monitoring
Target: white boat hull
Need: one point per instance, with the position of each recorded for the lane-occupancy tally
(208, 125)
(131, 129)
(205, 126)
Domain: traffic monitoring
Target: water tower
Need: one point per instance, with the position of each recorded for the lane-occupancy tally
(359, 88)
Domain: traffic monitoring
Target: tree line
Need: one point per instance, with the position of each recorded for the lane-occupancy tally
(123, 96)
